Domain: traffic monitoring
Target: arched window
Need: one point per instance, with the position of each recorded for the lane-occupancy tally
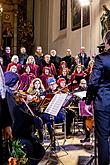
(63, 14)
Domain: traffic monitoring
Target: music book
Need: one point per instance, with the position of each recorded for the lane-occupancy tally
(55, 104)
(80, 94)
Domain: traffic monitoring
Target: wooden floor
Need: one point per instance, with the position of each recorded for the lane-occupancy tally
(74, 152)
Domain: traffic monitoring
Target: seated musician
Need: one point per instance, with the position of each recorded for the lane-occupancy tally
(63, 88)
(37, 89)
(83, 87)
(53, 88)
(23, 121)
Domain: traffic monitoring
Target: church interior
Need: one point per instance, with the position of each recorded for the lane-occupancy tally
(46, 40)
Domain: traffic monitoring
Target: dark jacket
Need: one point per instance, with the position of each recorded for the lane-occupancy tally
(5, 120)
(84, 60)
(23, 58)
(99, 83)
(56, 61)
(5, 117)
(69, 60)
(22, 121)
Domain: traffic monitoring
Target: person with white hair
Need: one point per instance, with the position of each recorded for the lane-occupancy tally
(15, 62)
(83, 58)
(34, 68)
(55, 59)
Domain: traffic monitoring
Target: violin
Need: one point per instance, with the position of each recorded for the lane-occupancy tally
(19, 95)
(64, 89)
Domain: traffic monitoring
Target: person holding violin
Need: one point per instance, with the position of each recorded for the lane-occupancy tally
(83, 87)
(5, 117)
(37, 89)
(23, 126)
(63, 88)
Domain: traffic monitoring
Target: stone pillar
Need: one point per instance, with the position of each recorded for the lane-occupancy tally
(0, 29)
(15, 28)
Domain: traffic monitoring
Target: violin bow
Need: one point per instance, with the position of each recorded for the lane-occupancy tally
(29, 108)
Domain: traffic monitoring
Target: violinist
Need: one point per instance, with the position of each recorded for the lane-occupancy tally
(64, 74)
(83, 87)
(53, 88)
(37, 89)
(88, 71)
(5, 118)
(62, 85)
(23, 126)
(63, 88)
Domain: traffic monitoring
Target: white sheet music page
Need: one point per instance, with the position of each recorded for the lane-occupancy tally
(55, 104)
(81, 94)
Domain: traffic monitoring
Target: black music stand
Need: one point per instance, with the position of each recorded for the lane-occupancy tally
(93, 158)
(52, 109)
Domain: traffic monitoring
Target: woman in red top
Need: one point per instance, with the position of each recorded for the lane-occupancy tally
(33, 67)
(76, 76)
(26, 79)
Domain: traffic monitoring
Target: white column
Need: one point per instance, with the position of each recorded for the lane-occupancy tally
(81, 26)
(90, 33)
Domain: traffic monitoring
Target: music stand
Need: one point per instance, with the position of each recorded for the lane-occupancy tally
(53, 109)
(87, 112)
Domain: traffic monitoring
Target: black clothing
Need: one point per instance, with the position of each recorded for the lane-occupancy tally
(56, 61)
(99, 91)
(5, 120)
(23, 128)
(38, 59)
(69, 60)
(23, 58)
(84, 60)
(6, 59)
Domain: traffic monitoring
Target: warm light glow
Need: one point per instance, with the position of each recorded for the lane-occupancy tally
(1, 8)
(84, 2)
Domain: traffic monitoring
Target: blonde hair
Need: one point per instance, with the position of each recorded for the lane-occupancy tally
(30, 57)
(32, 90)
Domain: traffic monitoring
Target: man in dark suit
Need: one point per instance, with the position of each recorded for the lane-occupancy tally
(83, 58)
(99, 91)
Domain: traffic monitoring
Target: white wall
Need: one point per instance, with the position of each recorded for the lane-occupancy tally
(61, 40)
(47, 27)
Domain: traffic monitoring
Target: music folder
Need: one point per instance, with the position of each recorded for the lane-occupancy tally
(55, 104)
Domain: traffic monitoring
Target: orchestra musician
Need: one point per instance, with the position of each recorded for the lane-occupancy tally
(83, 87)
(63, 88)
(23, 127)
(5, 118)
(36, 88)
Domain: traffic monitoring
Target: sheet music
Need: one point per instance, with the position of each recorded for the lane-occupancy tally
(81, 94)
(55, 104)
